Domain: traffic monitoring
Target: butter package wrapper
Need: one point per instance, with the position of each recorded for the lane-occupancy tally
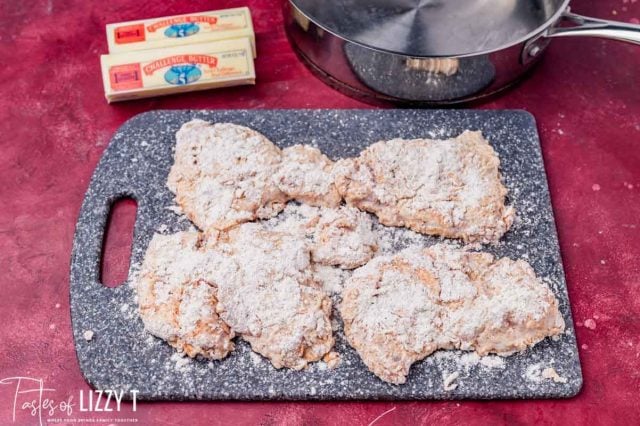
(178, 30)
(157, 72)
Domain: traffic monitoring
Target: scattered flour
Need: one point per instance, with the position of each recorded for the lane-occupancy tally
(182, 363)
(255, 358)
(551, 373)
(468, 360)
(492, 361)
(533, 373)
(449, 381)
(537, 373)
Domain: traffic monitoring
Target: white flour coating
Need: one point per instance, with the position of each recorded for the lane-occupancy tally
(223, 175)
(274, 302)
(450, 188)
(305, 175)
(343, 237)
(331, 279)
(180, 363)
(255, 358)
(399, 309)
(295, 218)
(177, 295)
(391, 240)
(340, 237)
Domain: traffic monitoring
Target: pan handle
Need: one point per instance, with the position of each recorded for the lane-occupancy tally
(593, 27)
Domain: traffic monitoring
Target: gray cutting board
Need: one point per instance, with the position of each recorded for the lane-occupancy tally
(136, 163)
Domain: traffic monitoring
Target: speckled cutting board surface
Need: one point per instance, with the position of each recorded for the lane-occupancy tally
(121, 355)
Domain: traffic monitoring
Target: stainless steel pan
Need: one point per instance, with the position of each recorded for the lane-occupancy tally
(433, 51)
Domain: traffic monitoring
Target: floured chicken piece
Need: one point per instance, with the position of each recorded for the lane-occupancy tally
(223, 175)
(275, 304)
(197, 294)
(399, 309)
(341, 237)
(306, 176)
(177, 296)
(450, 188)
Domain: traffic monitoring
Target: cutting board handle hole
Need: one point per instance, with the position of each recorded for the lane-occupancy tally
(117, 242)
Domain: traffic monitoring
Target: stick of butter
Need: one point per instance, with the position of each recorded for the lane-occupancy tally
(182, 29)
(177, 69)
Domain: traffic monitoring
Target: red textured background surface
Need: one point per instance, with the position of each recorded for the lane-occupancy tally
(55, 124)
